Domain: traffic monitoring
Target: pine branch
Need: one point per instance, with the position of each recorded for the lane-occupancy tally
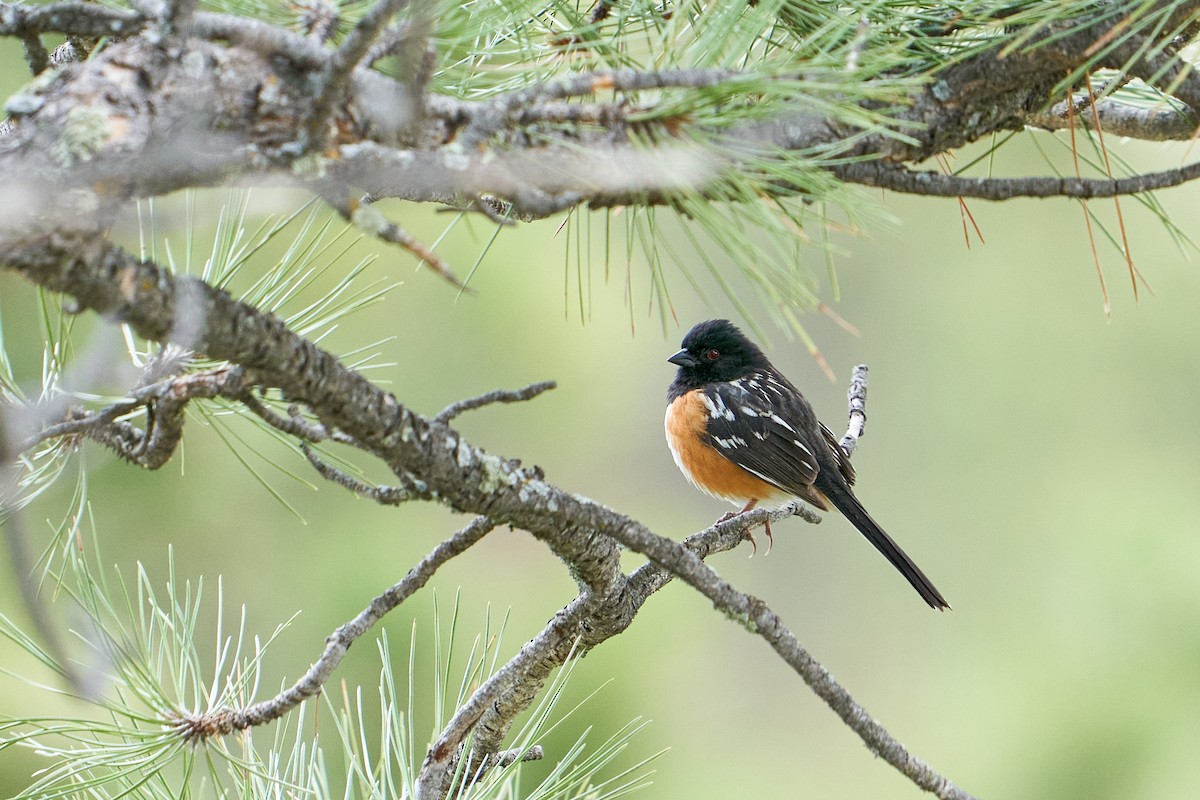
(595, 156)
(1120, 119)
(584, 534)
(936, 184)
(247, 100)
(196, 727)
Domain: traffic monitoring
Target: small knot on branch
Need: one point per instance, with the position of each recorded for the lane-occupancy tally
(198, 728)
(507, 757)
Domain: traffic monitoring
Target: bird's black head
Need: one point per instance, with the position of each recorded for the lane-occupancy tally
(714, 351)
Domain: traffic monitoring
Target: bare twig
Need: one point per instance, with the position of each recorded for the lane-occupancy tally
(196, 726)
(499, 396)
(1088, 98)
(520, 679)
(293, 425)
(371, 220)
(384, 495)
(936, 184)
(261, 37)
(857, 397)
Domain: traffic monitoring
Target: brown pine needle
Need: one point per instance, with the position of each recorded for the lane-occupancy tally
(1087, 217)
(433, 262)
(822, 363)
(1108, 36)
(841, 322)
(1133, 272)
(964, 211)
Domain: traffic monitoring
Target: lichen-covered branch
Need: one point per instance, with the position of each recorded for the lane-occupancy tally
(244, 103)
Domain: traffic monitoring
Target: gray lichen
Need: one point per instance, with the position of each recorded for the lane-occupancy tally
(85, 132)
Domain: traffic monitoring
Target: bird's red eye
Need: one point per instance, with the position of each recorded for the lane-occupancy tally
(712, 355)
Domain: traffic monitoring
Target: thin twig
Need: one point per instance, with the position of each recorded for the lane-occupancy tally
(936, 184)
(293, 425)
(857, 397)
(526, 671)
(499, 396)
(339, 69)
(1089, 98)
(369, 219)
(197, 726)
(261, 37)
(384, 495)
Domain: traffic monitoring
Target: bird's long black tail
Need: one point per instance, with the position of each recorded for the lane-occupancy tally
(845, 501)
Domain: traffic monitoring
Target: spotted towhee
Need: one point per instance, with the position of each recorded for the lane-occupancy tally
(740, 431)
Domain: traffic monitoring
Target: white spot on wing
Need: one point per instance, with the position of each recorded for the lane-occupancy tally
(802, 446)
(781, 422)
(716, 406)
(758, 474)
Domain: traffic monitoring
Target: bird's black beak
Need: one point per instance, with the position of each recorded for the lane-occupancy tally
(684, 359)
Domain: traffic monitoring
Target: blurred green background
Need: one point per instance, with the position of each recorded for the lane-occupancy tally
(1035, 457)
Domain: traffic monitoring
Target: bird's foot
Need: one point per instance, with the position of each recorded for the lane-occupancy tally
(749, 536)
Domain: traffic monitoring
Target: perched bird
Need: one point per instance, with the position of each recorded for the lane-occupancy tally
(740, 431)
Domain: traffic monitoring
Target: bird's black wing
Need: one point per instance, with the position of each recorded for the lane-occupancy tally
(839, 455)
(751, 422)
